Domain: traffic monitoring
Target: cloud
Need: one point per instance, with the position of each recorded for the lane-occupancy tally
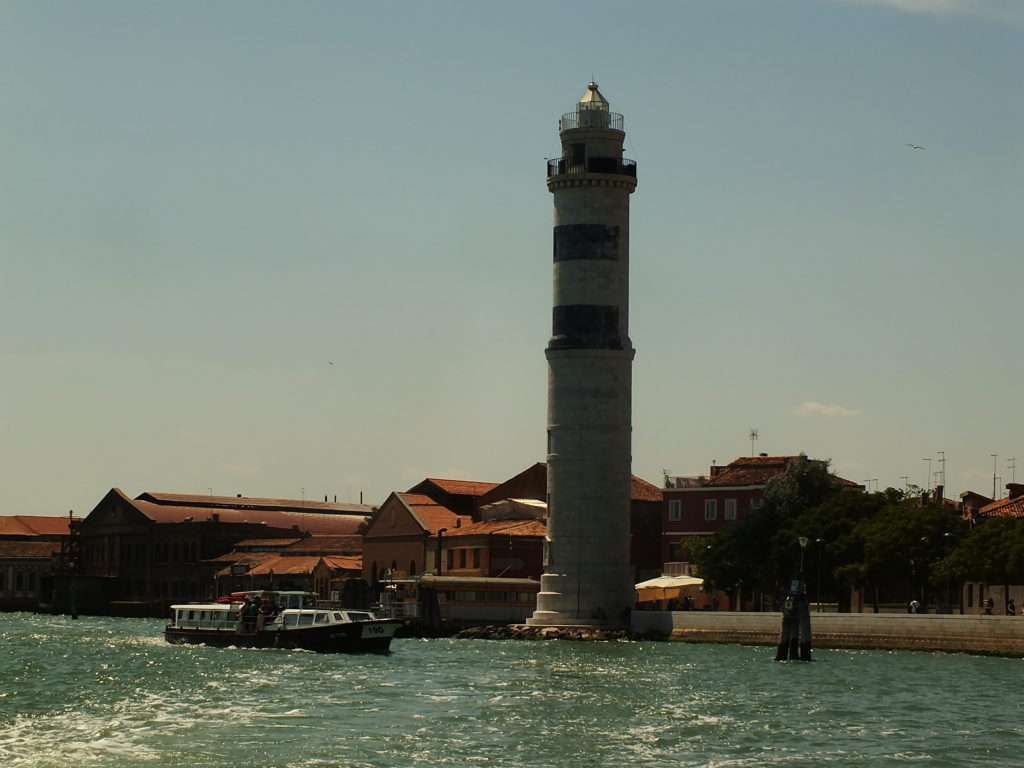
(814, 408)
(1001, 10)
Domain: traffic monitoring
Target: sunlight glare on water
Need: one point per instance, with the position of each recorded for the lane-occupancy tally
(110, 692)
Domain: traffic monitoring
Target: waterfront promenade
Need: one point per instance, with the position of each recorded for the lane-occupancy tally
(999, 635)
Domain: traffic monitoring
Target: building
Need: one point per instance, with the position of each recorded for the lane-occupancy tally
(397, 540)
(645, 513)
(587, 578)
(29, 551)
(975, 593)
(703, 505)
(139, 555)
(460, 496)
(507, 543)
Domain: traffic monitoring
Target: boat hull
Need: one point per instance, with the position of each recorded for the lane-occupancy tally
(355, 637)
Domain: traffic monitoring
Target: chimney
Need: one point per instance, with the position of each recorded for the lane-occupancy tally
(325, 498)
(335, 498)
(940, 493)
(1015, 490)
(763, 455)
(238, 495)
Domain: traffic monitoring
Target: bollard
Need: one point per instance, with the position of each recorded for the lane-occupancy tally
(795, 636)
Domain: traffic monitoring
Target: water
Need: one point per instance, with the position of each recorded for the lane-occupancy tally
(110, 692)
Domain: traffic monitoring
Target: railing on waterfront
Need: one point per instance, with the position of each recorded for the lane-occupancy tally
(591, 118)
(617, 166)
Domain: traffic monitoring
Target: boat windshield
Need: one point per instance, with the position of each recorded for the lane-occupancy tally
(359, 616)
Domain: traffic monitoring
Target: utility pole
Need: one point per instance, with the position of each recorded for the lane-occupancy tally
(942, 466)
(753, 438)
(906, 482)
(928, 483)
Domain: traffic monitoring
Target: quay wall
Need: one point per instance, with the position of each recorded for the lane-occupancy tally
(1001, 635)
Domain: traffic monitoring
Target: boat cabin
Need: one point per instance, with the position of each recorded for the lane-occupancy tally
(225, 617)
(301, 618)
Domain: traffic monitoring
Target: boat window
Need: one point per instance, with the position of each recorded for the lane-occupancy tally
(338, 617)
(305, 619)
(191, 615)
(354, 616)
(323, 618)
(290, 619)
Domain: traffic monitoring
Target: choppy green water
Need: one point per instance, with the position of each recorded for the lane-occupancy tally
(110, 692)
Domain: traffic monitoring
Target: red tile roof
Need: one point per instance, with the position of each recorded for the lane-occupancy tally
(246, 502)
(327, 545)
(431, 515)
(641, 490)
(344, 563)
(267, 543)
(28, 549)
(33, 525)
(1004, 508)
(536, 528)
(460, 487)
(285, 566)
(330, 524)
(758, 470)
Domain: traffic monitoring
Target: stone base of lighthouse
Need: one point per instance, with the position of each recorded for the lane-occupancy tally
(588, 579)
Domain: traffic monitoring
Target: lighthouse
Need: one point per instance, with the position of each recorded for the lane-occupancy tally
(587, 577)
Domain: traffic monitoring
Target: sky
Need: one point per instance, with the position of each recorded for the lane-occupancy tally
(304, 249)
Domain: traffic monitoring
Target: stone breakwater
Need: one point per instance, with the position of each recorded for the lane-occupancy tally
(524, 632)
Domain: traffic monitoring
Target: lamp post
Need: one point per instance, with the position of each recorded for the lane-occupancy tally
(819, 542)
(440, 536)
(803, 545)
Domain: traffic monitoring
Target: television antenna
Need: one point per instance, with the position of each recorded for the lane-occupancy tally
(754, 435)
(1011, 464)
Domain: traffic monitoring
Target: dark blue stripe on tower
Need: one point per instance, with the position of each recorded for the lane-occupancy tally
(586, 241)
(585, 326)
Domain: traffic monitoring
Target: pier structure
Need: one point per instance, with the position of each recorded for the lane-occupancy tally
(587, 579)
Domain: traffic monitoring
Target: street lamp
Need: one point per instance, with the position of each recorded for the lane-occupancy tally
(819, 542)
(440, 535)
(803, 545)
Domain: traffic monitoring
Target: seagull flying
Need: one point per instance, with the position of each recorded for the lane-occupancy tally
(915, 146)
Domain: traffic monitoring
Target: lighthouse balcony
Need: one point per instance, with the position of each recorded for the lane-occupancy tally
(592, 117)
(613, 165)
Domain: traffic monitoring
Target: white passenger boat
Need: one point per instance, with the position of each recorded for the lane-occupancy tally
(245, 625)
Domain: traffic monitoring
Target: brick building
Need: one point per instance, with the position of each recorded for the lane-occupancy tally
(460, 496)
(645, 513)
(139, 555)
(705, 504)
(397, 540)
(29, 546)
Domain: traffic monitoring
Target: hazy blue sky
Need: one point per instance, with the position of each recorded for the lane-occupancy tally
(204, 204)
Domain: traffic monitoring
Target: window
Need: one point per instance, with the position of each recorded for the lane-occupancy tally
(675, 509)
(756, 503)
(675, 551)
(970, 595)
(476, 558)
(730, 509)
(451, 559)
(323, 618)
(305, 619)
(412, 567)
(710, 509)
(462, 558)
(290, 619)
(3, 581)
(18, 576)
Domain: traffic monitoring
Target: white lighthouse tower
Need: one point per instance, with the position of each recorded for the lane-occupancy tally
(587, 576)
